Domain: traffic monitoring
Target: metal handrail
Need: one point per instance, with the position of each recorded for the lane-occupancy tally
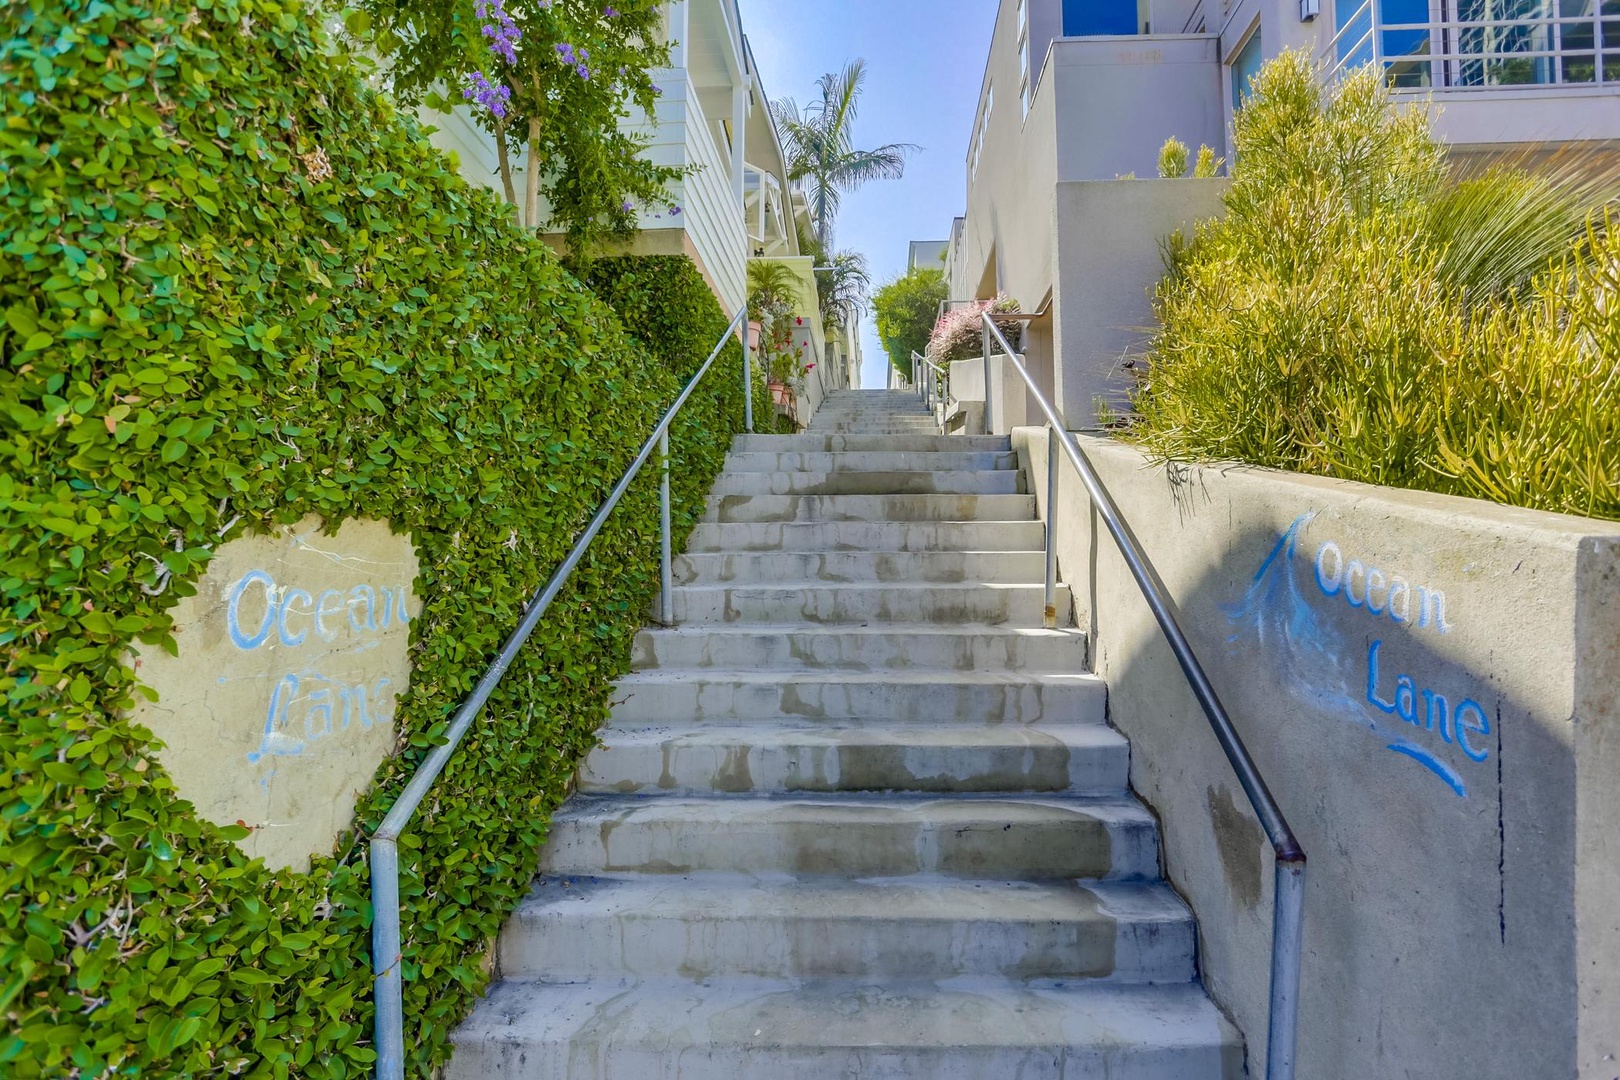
(386, 949)
(929, 384)
(1288, 910)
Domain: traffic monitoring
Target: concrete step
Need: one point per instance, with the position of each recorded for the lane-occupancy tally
(1029, 838)
(746, 508)
(856, 420)
(954, 697)
(868, 461)
(967, 1029)
(870, 427)
(842, 411)
(783, 757)
(785, 927)
(901, 444)
(923, 646)
(948, 567)
(890, 536)
(818, 602)
(910, 403)
(979, 482)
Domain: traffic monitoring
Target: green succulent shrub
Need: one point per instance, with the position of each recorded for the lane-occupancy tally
(237, 288)
(1364, 311)
(1173, 159)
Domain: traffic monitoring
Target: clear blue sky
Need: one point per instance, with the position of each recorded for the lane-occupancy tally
(925, 61)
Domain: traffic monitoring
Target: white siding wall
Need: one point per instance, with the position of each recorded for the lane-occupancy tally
(475, 147)
(710, 214)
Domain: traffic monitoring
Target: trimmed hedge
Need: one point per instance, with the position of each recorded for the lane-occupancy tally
(238, 288)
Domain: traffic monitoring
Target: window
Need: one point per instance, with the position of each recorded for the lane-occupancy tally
(984, 128)
(1023, 54)
(1091, 18)
(1245, 65)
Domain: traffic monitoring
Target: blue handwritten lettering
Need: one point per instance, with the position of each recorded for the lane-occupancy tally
(1404, 705)
(1482, 726)
(1432, 763)
(362, 594)
(329, 603)
(290, 614)
(321, 706)
(293, 596)
(1381, 593)
(233, 619)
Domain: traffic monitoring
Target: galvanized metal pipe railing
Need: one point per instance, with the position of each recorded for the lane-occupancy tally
(1288, 913)
(932, 379)
(386, 948)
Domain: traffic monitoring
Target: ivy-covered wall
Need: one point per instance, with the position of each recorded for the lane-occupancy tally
(238, 288)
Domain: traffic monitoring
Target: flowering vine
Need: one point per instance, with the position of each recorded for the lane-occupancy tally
(531, 72)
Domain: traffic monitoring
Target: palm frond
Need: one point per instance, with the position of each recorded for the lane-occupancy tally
(818, 141)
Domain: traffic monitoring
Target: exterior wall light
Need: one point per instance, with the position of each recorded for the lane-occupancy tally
(1309, 10)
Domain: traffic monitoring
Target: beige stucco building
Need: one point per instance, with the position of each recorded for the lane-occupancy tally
(1078, 96)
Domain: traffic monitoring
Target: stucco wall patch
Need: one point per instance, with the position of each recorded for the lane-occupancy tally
(280, 705)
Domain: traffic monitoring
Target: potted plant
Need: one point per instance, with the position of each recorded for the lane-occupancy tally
(770, 310)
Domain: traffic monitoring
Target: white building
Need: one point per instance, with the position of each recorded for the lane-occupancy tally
(713, 118)
(1080, 93)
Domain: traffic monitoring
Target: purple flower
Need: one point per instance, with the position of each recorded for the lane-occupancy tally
(501, 31)
(674, 211)
(566, 51)
(491, 97)
(628, 206)
(609, 13)
(584, 72)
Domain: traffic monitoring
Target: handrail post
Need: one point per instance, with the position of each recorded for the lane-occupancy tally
(1049, 620)
(388, 993)
(1287, 929)
(666, 592)
(989, 425)
(748, 384)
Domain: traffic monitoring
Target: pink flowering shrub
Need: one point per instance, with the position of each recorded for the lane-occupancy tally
(959, 333)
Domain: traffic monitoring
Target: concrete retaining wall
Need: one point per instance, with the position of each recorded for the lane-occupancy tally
(1012, 405)
(1431, 686)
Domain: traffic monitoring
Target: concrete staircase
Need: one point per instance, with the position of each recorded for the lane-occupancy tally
(858, 816)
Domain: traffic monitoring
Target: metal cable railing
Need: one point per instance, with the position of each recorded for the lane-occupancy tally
(1288, 910)
(386, 949)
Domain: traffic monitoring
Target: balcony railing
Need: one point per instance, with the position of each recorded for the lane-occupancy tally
(1482, 44)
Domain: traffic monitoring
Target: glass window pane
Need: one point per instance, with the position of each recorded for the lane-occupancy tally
(1245, 65)
(1085, 18)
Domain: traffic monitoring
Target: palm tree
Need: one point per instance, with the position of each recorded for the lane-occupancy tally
(841, 288)
(820, 146)
(769, 282)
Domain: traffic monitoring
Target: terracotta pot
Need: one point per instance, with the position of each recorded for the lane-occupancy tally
(780, 393)
(754, 330)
